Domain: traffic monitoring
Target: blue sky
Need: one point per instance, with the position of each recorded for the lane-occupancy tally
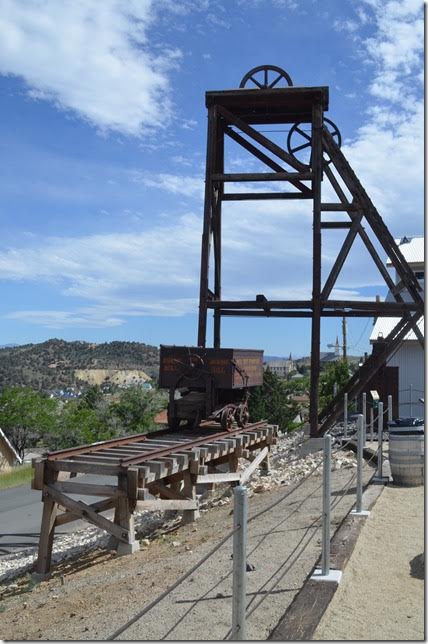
(102, 140)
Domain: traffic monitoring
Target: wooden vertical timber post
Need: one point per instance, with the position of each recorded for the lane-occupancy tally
(47, 529)
(189, 491)
(317, 159)
(207, 227)
(218, 190)
(233, 465)
(125, 507)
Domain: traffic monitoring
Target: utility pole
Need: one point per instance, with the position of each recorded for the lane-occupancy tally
(344, 334)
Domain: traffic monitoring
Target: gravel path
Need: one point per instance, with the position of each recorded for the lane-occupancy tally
(94, 595)
(381, 596)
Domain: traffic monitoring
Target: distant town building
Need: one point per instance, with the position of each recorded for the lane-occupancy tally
(403, 376)
(282, 367)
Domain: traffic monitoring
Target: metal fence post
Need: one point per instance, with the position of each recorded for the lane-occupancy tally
(240, 510)
(380, 478)
(359, 501)
(389, 409)
(324, 573)
(360, 430)
(326, 500)
(371, 423)
(411, 400)
(364, 412)
(345, 415)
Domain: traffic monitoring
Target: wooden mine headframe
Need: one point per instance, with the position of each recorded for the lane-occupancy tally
(262, 99)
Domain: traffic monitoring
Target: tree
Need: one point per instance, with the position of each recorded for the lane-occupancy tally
(92, 397)
(77, 425)
(271, 402)
(335, 373)
(137, 408)
(26, 416)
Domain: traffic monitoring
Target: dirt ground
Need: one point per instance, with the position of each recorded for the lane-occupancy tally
(92, 597)
(381, 595)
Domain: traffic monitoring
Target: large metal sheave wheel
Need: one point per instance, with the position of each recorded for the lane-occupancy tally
(298, 139)
(266, 77)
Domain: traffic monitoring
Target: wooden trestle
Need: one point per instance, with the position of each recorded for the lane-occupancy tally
(157, 471)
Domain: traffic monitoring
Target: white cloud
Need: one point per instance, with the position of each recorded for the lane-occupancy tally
(387, 151)
(188, 186)
(93, 58)
(346, 25)
(267, 246)
(396, 49)
(64, 319)
(101, 263)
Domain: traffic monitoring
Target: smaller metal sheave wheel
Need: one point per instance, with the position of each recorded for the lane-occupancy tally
(266, 77)
(299, 140)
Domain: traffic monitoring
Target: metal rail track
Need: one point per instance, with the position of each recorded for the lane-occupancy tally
(122, 448)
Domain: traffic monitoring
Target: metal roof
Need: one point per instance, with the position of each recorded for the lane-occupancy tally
(385, 325)
(412, 248)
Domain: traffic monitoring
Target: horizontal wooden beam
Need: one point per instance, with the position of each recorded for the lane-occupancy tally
(336, 225)
(221, 477)
(378, 308)
(260, 196)
(159, 505)
(86, 467)
(339, 207)
(260, 303)
(262, 176)
(88, 489)
(337, 313)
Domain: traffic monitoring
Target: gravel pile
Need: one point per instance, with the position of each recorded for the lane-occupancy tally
(286, 467)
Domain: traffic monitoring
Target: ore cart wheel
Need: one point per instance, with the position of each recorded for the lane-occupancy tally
(226, 419)
(242, 415)
(173, 423)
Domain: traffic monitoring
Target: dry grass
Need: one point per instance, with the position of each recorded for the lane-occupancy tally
(17, 476)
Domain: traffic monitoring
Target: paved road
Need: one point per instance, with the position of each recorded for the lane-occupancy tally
(21, 513)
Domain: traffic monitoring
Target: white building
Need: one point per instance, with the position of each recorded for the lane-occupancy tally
(409, 359)
(282, 367)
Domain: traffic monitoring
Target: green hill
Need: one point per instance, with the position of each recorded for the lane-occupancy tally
(51, 364)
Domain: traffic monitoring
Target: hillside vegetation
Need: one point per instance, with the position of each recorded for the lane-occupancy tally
(52, 364)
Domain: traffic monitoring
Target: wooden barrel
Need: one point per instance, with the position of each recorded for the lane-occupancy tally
(406, 455)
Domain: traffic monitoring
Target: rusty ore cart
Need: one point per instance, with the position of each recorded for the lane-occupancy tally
(209, 384)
